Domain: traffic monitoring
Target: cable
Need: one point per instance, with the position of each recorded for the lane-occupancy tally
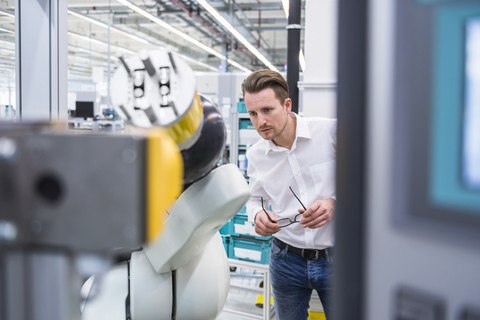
(128, 314)
(174, 294)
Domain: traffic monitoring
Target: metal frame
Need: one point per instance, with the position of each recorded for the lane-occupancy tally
(268, 312)
(41, 57)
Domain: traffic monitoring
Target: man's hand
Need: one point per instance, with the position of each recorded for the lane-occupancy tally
(318, 213)
(263, 225)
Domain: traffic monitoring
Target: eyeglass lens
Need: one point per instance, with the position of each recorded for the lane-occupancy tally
(284, 222)
(287, 221)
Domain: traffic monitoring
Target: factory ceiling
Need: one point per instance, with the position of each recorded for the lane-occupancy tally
(124, 27)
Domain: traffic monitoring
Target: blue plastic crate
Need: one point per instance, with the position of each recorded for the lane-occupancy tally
(226, 243)
(245, 124)
(241, 108)
(249, 249)
(227, 228)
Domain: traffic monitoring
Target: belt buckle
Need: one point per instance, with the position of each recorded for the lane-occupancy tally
(308, 254)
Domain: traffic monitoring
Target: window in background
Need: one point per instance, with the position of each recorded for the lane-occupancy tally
(7, 60)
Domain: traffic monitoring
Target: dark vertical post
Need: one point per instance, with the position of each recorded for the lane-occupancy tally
(225, 53)
(348, 282)
(293, 28)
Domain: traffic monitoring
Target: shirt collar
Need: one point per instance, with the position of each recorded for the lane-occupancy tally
(302, 131)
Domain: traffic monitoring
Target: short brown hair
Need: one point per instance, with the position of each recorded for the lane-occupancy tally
(261, 79)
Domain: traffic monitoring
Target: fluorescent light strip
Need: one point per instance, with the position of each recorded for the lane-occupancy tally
(7, 31)
(87, 18)
(7, 42)
(207, 66)
(91, 52)
(88, 51)
(137, 38)
(142, 40)
(301, 60)
(233, 63)
(77, 58)
(104, 25)
(170, 28)
(235, 33)
(286, 7)
(6, 13)
(80, 36)
(176, 31)
(9, 51)
(9, 59)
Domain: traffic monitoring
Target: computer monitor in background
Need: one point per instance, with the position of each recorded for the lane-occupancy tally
(454, 166)
(471, 118)
(84, 109)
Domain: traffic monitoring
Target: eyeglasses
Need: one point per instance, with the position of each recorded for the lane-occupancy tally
(285, 222)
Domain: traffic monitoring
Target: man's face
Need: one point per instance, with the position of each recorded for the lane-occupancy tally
(267, 114)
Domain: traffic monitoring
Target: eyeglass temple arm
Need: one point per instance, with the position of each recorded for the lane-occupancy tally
(268, 216)
(297, 198)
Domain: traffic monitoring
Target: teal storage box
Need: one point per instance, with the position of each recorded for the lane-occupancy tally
(245, 124)
(249, 249)
(226, 243)
(241, 108)
(227, 229)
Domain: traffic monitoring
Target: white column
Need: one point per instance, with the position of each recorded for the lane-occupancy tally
(41, 56)
(320, 76)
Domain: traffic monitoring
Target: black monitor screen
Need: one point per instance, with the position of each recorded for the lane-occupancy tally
(84, 109)
(471, 120)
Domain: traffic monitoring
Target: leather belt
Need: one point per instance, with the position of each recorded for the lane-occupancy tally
(309, 254)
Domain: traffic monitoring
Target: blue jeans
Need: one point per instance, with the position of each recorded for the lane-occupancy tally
(293, 280)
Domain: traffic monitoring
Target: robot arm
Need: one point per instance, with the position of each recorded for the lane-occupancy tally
(183, 273)
(197, 215)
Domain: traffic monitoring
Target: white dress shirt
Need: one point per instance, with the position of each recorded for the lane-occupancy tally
(308, 167)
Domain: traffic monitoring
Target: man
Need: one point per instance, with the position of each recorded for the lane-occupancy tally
(292, 181)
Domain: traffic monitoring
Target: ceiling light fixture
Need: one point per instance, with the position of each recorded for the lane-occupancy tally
(81, 36)
(134, 37)
(104, 25)
(91, 52)
(207, 66)
(301, 60)
(236, 34)
(7, 31)
(6, 13)
(87, 18)
(178, 32)
(140, 39)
